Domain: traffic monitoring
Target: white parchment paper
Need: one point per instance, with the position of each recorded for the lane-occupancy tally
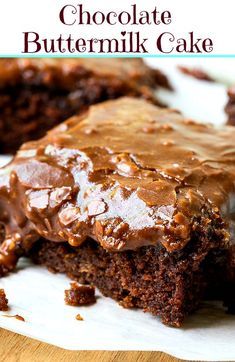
(38, 295)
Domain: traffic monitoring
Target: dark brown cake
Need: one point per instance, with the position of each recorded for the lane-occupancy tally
(3, 301)
(37, 94)
(230, 107)
(130, 197)
(79, 295)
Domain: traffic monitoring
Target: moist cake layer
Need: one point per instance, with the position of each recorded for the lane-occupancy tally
(169, 285)
(37, 94)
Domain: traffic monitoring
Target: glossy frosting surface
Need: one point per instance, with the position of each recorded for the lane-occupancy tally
(66, 72)
(125, 173)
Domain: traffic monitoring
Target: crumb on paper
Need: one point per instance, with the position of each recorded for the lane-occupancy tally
(79, 317)
(16, 316)
(3, 301)
(79, 295)
(195, 73)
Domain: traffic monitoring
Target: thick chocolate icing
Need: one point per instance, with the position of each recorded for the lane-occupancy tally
(68, 73)
(125, 173)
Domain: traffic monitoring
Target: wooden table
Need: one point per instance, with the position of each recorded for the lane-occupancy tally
(16, 348)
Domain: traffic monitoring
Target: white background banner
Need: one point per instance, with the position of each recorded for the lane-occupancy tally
(137, 28)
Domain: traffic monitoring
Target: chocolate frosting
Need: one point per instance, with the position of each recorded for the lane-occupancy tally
(67, 73)
(125, 173)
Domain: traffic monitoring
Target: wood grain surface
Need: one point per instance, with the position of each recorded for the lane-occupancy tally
(16, 348)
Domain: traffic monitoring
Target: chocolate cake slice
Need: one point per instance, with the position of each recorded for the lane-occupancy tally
(130, 197)
(230, 107)
(37, 94)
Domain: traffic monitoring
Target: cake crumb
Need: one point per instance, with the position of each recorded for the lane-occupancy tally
(3, 301)
(79, 295)
(195, 73)
(79, 317)
(16, 316)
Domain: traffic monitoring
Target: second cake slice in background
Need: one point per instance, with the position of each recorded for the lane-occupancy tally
(37, 94)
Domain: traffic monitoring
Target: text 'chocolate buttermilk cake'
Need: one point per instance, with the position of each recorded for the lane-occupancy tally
(37, 94)
(230, 107)
(130, 197)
